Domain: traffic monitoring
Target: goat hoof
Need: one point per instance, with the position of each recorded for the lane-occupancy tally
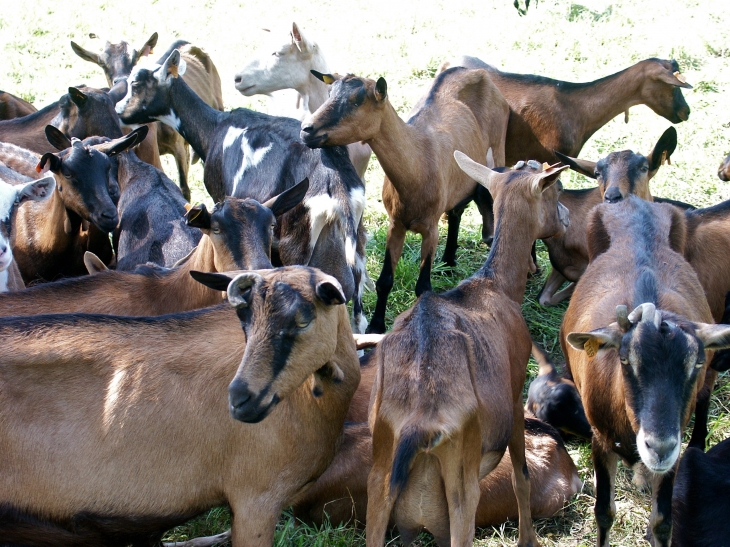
(376, 326)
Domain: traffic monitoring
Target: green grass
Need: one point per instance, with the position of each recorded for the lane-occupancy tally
(406, 43)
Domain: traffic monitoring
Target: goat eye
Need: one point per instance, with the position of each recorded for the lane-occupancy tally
(624, 360)
(216, 230)
(597, 175)
(644, 169)
(303, 323)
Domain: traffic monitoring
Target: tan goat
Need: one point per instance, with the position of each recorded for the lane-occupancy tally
(115, 429)
(447, 399)
(463, 110)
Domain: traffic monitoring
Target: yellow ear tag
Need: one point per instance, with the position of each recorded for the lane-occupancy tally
(591, 347)
(329, 80)
(188, 206)
(546, 166)
(680, 77)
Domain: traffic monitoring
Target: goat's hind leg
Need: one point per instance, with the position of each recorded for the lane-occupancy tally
(380, 502)
(429, 242)
(521, 480)
(384, 284)
(452, 237)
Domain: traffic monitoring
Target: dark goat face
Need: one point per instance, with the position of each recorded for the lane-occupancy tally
(116, 60)
(86, 112)
(662, 358)
(290, 317)
(661, 90)
(352, 113)
(724, 171)
(148, 89)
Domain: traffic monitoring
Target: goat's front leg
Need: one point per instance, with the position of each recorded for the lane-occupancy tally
(702, 410)
(384, 284)
(521, 479)
(604, 464)
(485, 204)
(452, 237)
(429, 241)
(253, 524)
(660, 521)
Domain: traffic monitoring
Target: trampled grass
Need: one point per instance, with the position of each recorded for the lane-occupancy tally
(406, 42)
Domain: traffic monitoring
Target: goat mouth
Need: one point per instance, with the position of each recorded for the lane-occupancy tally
(245, 90)
(313, 140)
(252, 413)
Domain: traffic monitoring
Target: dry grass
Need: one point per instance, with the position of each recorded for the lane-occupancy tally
(405, 43)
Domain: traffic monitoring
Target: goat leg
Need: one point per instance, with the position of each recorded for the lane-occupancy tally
(452, 236)
(521, 479)
(660, 521)
(384, 284)
(604, 464)
(207, 541)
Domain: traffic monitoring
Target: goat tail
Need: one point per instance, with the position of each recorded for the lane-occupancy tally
(412, 441)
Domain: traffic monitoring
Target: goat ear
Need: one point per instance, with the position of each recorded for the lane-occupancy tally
(198, 217)
(329, 79)
(546, 179)
(590, 342)
(93, 263)
(330, 292)
(675, 78)
(662, 151)
(288, 199)
(37, 190)
(77, 96)
(57, 139)
(118, 91)
(121, 144)
(148, 46)
(85, 54)
(584, 167)
(381, 89)
(298, 38)
(713, 336)
(173, 66)
(240, 289)
(212, 280)
(48, 162)
(480, 173)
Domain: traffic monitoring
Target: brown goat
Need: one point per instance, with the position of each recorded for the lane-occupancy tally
(447, 399)
(50, 237)
(117, 61)
(638, 373)
(237, 235)
(97, 473)
(724, 171)
(548, 116)
(618, 174)
(340, 494)
(14, 107)
(462, 110)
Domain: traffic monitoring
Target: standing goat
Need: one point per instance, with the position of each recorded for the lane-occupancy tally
(447, 399)
(91, 470)
(290, 67)
(248, 154)
(638, 373)
(462, 110)
(117, 62)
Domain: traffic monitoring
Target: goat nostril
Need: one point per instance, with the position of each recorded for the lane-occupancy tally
(308, 129)
(237, 79)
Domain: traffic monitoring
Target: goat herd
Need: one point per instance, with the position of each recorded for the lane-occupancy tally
(114, 421)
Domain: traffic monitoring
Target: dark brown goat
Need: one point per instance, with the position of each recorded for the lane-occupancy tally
(118, 385)
(638, 374)
(554, 399)
(117, 61)
(340, 494)
(618, 174)
(548, 116)
(462, 110)
(447, 399)
(724, 171)
(50, 238)
(237, 236)
(14, 107)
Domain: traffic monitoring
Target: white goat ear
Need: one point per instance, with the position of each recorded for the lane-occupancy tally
(298, 38)
(713, 336)
(591, 342)
(171, 67)
(480, 173)
(546, 179)
(37, 190)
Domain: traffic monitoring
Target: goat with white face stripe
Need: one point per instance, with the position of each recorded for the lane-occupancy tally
(248, 154)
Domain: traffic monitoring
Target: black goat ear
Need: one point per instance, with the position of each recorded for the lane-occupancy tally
(57, 139)
(77, 96)
(330, 293)
(48, 162)
(381, 89)
(663, 149)
(85, 54)
(213, 280)
(288, 199)
(198, 217)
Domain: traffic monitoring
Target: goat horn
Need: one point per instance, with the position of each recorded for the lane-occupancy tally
(622, 315)
(645, 312)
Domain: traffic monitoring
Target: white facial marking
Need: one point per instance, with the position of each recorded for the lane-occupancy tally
(251, 157)
(322, 210)
(649, 457)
